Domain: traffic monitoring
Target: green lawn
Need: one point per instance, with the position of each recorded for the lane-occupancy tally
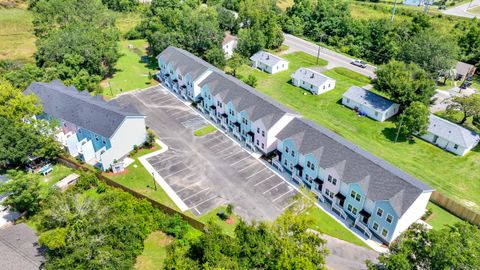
(131, 72)
(328, 225)
(204, 130)
(16, 38)
(140, 180)
(154, 251)
(454, 176)
(212, 216)
(475, 10)
(440, 217)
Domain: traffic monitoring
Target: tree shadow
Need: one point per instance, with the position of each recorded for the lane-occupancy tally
(391, 133)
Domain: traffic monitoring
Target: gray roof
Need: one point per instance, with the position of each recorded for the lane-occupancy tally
(19, 248)
(380, 180)
(463, 68)
(452, 132)
(368, 98)
(186, 62)
(245, 98)
(266, 58)
(310, 76)
(92, 113)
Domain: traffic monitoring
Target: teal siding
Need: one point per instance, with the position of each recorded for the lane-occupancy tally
(349, 200)
(381, 221)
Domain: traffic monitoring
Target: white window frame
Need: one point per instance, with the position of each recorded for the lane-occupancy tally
(391, 218)
(381, 212)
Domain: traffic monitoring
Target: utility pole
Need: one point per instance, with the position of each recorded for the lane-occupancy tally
(427, 5)
(319, 47)
(399, 127)
(394, 9)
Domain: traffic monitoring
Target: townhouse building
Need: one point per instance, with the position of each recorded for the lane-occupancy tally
(98, 132)
(366, 192)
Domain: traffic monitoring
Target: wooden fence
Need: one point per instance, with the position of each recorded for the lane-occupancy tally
(168, 210)
(455, 208)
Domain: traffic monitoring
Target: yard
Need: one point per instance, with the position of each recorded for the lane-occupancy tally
(440, 217)
(17, 41)
(132, 73)
(456, 177)
(139, 179)
(475, 10)
(154, 251)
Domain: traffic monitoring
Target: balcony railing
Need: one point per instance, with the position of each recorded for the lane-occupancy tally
(297, 179)
(363, 227)
(276, 162)
(339, 210)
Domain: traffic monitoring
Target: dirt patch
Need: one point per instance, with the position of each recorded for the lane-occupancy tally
(230, 221)
(125, 171)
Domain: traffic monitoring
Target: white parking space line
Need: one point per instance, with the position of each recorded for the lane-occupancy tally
(256, 173)
(290, 204)
(210, 139)
(236, 162)
(163, 101)
(233, 154)
(196, 193)
(176, 113)
(174, 164)
(225, 149)
(205, 201)
(282, 195)
(171, 174)
(281, 183)
(219, 144)
(246, 167)
(180, 190)
(264, 180)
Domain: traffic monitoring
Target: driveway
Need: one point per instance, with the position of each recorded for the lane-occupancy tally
(461, 10)
(334, 59)
(206, 172)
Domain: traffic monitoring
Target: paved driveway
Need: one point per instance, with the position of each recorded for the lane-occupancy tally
(206, 172)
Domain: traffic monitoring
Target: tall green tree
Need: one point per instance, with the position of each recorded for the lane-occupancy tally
(469, 106)
(15, 105)
(452, 247)
(23, 192)
(404, 83)
(414, 120)
(216, 57)
(433, 52)
(250, 41)
(235, 62)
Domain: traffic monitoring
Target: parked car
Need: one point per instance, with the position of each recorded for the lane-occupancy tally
(359, 63)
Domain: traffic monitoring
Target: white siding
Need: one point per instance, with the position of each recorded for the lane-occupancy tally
(445, 144)
(272, 133)
(370, 112)
(131, 132)
(413, 213)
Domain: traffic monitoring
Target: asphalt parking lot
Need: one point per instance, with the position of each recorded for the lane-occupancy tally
(206, 172)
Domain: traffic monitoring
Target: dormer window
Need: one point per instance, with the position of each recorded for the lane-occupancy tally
(389, 218)
(379, 212)
(286, 149)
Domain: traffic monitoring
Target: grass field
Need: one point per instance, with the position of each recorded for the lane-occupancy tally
(212, 217)
(131, 72)
(154, 251)
(454, 176)
(475, 10)
(204, 130)
(16, 38)
(440, 217)
(140, 180)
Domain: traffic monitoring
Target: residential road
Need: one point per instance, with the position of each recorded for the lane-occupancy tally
(461, 10)
(334, 59)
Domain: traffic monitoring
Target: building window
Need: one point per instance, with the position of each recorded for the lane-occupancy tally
(65, 125)
(353, 193)
(375, 226)
(258, 130)
(329, 178)
(263, 133)
(379, 212)
(384, 233)
(348, 100)
(349, 207)
(358, 197)
(334, 181)
(354, 211)
(180, 77)
(389, 218)
(286, 149)
(285, 162)
(312, 167)
(455, 146)
(308, 164)
(96, 138)
(293, 153)
(263, 146)
(258, 142)
(104, 142)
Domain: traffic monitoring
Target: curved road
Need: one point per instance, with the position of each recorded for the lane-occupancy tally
(334, 59)
(461, 10)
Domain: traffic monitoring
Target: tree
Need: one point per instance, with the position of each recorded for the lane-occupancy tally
(122, 5)
(414, 120)
(227, 20)
(452, 247)
(235, 62)
(15, 105)
(433, 52)
(216, 57)
(404, 83)
(469, 41)
(23, 193)
(251, 80)
(250, 41)
(468, 105)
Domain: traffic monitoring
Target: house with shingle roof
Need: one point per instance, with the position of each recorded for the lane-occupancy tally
(464, 70)
(229, 44)
(268, 62)
(370, 194)
(450, 136)
(313, 81)
(97, 131)
(367, 103)
(378, 198)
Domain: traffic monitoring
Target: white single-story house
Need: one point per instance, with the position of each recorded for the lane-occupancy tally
(268, 62)
(370, 104)
(312, 81)
(450, 136)
(229, 44)
(463, 71)
(417, 2)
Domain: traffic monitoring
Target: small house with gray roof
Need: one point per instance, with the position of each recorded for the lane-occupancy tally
(312, 81)
(379, 199)
(367, 103)
(464, 71)
(450, 136)
(97, 131)
(268, 62)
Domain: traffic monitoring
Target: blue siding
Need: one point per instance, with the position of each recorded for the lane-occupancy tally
(307, 170)
(97, 144)
(387, 209)
(245, 127)
(291, 160)
(352, 201)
